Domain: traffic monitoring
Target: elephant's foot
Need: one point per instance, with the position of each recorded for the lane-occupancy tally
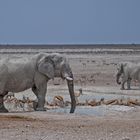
(128, 87)
(40, 109)
(36, 108)
(3, 109)
(122, 88)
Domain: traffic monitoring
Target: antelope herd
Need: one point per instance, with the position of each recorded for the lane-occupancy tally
(13, 104)
(25, 104)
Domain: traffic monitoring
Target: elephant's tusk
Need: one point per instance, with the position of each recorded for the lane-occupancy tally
(69, 78)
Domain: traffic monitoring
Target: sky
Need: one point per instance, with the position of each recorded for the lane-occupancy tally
(69, 21)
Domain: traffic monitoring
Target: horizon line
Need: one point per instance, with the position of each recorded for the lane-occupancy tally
(67, 44)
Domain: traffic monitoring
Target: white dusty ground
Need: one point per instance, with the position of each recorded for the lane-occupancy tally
(94, 71)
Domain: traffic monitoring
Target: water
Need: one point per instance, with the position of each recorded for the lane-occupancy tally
(96, 111)
(82, 110)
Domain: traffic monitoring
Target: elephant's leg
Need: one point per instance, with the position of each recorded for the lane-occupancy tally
(41, 100)
(34, 89)
(124, 80)
(122, 85)
(2, 108)
(40, 93)
(128, 83)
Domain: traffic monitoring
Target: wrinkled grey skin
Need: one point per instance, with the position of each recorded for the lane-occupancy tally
(127, 71)
(19, 74)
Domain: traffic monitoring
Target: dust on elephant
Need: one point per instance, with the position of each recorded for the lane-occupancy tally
(19, 74)
(127, 71)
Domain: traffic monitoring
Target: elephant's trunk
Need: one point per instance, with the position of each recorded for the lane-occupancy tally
(72, 96)
(118, 78)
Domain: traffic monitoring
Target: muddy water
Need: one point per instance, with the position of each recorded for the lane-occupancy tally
(95, 111)
(101, 110)
(82, 110)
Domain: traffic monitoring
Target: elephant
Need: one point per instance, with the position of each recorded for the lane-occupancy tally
(128, 71)
(34, 72)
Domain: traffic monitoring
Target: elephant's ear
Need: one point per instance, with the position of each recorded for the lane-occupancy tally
(46, 67)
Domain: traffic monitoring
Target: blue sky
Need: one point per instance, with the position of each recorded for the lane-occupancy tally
(69, 21)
